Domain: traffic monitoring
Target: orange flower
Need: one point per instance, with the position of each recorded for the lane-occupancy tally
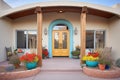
(30, 57)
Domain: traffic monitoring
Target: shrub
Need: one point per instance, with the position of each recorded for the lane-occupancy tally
(14, 59)
(118, 63)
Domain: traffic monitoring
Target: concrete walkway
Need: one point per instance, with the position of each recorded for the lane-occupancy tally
(62, 69)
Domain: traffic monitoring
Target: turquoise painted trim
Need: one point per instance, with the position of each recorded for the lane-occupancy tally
(55, 22)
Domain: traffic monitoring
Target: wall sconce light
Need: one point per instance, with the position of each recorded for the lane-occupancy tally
(45, 31)
(75, 31)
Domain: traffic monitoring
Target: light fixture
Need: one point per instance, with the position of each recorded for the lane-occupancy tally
(45, 31)
(60, 11)
(75, 31)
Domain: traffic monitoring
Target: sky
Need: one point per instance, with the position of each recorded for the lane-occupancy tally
(16, 3)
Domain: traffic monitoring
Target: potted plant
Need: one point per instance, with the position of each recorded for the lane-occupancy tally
(19, 52)
(91, 59)
(30, 60)
(44, 53)
(105, 59)
(102, 64)
(75, 54)
(14, 59)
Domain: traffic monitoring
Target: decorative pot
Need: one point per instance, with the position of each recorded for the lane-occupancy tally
(31, 65)
(20, 54)
(107, 67)
(92, 63)
(101, 66)
(17, 65)
(75, 57)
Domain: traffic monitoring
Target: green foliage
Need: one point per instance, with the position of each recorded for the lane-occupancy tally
(14, 59)
(75, 53)
(118, 63)
(105, 56)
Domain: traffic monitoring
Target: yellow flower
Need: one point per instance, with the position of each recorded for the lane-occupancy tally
(90, 58)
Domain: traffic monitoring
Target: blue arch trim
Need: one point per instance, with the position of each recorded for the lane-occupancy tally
(55, 22)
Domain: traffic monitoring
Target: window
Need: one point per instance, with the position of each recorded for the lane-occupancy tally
(95, 39)
(60, 27)
(100, 39)
(32, 39)
(90, 39)
(21, 39)
(26, 39)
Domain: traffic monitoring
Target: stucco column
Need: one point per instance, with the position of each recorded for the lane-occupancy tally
(83, 32)
(39, 33)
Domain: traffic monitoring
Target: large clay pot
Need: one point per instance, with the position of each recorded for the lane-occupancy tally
(101, 66)
(31, 65)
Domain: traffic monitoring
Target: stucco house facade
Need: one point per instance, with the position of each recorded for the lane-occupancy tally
(61, 27)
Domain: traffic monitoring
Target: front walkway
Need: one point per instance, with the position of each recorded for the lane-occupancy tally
(62, 69)
(61, 63)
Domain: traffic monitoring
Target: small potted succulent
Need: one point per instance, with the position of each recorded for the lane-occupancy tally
(14, 59)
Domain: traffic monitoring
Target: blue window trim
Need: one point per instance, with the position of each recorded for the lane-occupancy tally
(70, 27)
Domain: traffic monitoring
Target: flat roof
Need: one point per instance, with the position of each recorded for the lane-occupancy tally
(29, 9)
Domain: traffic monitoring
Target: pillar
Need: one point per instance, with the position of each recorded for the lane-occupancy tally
(83, 32)
(39, 33)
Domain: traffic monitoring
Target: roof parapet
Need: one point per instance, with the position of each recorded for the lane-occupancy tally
(116, 5)
(4, 5)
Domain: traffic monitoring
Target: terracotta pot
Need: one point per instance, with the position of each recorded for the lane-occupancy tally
(101, 66)
(17, 65)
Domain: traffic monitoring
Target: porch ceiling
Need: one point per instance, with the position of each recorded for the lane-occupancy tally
(58, 9)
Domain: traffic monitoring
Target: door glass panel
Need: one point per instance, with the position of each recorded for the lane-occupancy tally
(64, 40)
(56, 40)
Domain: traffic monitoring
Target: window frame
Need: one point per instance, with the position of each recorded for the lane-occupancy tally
(26, 38)
(95, 37)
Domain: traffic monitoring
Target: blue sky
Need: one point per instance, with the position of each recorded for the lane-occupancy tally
(16, 3)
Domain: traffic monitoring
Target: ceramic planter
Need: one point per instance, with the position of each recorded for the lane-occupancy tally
(92, 63)
(31, 65)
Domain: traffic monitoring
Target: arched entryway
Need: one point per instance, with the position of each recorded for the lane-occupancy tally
(50, 31)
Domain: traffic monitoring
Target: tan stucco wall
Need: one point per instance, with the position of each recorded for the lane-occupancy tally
(4, 6)
(115, 37)
(93, 23)
(6, 37)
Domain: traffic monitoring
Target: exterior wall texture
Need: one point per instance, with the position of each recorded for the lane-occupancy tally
(30, 23)
(6, 37)
(4, 6)
(114, 36)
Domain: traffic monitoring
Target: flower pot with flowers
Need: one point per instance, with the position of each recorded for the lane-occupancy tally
(19, 52)
(91, 59)
(30, 60)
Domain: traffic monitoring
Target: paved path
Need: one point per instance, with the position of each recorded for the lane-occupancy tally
(62, 69)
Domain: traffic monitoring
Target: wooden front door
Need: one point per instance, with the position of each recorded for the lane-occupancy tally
(60, 43)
